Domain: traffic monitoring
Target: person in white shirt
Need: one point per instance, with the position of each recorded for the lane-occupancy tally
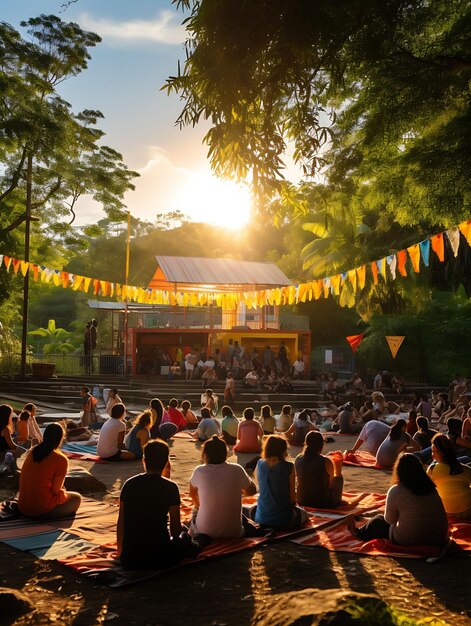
(298, 368)
(110, 446)
(371, 437)
(216, 489)
(113, 399)
(252, 379)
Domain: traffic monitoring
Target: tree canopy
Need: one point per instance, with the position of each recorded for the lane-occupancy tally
(373, 93)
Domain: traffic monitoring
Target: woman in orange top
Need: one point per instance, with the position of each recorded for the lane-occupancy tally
(22, 429)
(42, 492)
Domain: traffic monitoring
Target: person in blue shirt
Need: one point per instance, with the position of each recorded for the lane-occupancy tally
(275, 476)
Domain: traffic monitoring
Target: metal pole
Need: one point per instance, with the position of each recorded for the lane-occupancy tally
(128, 240)
(24, 332)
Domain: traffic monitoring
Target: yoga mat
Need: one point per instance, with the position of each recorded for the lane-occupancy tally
(363, 459)
(76, 450)
(337, 538)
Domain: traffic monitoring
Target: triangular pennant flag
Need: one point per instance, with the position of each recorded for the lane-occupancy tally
(425, 251)
(24, 267)
(16, 265)
(438, 246)
(7, 261)
(35, 272)
(465, 228)
(392, 262)
(454, 238)
(401, 262)
(335, 284)
(361, 275)
(352, 276)
(414, 253)
(374, 271)
(355, 341)
(394, 342)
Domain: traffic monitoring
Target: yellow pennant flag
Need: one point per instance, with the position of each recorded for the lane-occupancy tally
(394, 342)
(24, 267)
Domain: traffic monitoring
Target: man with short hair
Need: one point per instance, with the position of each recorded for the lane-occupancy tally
(147, 501)
(110, 446)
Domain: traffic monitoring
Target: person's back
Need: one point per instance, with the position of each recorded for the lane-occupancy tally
(425, 434)
(396, 441)
(301, 429)
(207, 427)
(107, 445)
(454, 489)
(37, 495)
(147, 499)
(313, 481)
(274, 507)
(415, 519)
(373, 434)
(249, 434)
(286, 419)
(175, 416)
(230, 425)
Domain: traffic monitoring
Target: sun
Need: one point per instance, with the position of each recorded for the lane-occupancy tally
(209, 199)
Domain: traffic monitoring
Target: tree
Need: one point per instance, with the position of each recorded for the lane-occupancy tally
(381, 84)
(36, 123)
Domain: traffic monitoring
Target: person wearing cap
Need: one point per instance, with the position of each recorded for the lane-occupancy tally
(216, 488)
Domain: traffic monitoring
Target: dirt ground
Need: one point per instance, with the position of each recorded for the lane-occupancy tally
(231, 591)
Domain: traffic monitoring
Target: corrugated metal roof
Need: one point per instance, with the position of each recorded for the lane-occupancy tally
(219, 274)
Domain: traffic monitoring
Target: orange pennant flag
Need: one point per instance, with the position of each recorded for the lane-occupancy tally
(414, 253)
(438, 246)
(374, 271)
(355, 341)
(65, 279)
(361, 275)
(394, 342)
(401, 262)
(335, 284)
(7, 261)
(16, 265)
(35, 271)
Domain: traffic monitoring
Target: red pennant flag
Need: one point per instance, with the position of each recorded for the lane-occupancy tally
(355, 341)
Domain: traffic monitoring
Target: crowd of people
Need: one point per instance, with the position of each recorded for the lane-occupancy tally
(431, 469)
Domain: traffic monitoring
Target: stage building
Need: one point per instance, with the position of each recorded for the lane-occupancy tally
(158, 334)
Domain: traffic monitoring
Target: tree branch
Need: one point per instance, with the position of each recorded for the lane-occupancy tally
(19, 220)
(49, 194)
(16, 176)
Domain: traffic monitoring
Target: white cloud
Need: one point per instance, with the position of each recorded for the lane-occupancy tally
(165, 28)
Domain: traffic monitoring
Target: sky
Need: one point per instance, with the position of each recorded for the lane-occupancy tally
(142, 41)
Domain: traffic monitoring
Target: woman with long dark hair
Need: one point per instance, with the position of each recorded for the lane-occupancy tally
(414, 513)
(453, 479)
(396, 442)
(42, 492)
(319, 478)
(6, 442)
(162, 427)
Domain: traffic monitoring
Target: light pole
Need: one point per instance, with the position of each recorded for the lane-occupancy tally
(24, 331)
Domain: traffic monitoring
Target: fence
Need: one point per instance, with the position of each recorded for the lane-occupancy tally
(65, 364)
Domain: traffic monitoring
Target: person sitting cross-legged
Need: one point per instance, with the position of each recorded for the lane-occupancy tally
(42, 492)
(216, 488)
(146, 503)
(110, 446)
(276, 506)
(319, 478)
(207, 427)
(414, 513)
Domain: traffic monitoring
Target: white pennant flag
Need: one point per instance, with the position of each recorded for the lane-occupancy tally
(454, 239)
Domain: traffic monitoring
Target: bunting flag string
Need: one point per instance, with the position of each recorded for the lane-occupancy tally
(355, 279)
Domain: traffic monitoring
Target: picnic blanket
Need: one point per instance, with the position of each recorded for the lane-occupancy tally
(77, 450)
(337, 538)
(86, 542)
(363, 459)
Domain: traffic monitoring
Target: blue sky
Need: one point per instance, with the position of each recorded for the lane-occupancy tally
(142, 42)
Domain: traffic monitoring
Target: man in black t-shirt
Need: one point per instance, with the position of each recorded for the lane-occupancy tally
(146, 502)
